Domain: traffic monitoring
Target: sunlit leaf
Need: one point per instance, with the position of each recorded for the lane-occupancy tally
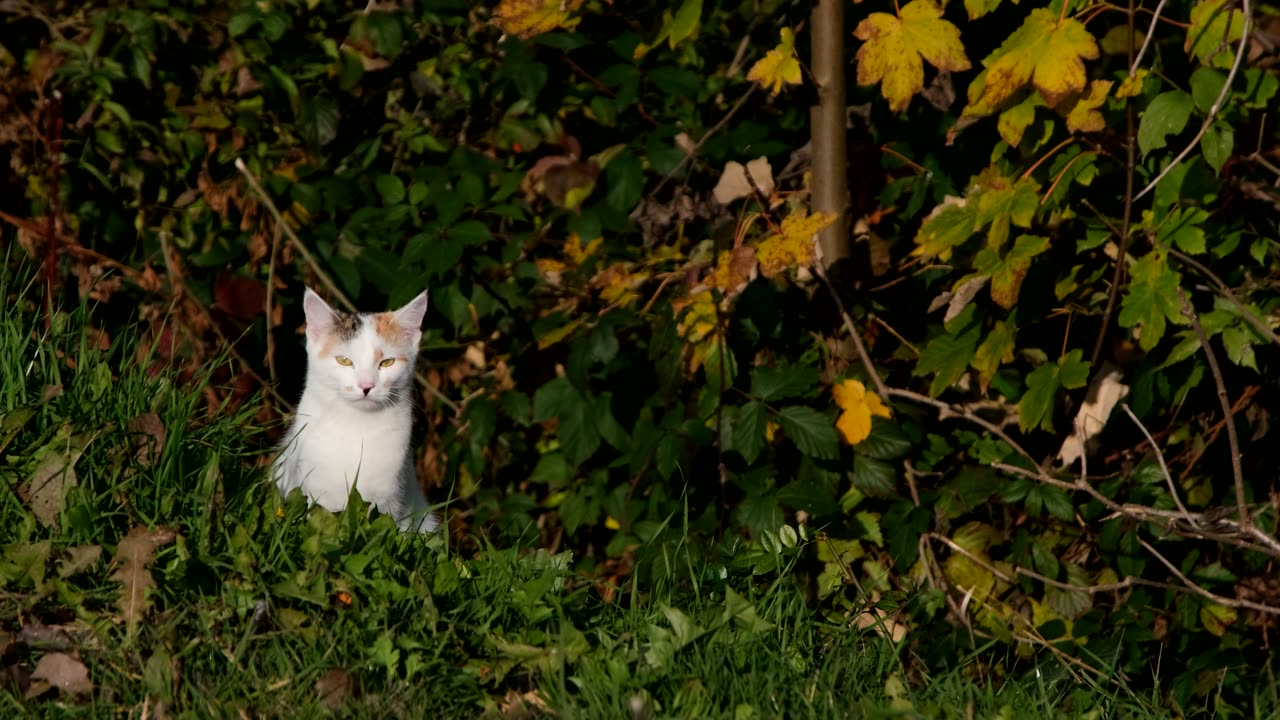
(894, 48)
(1046, 51)
(779, 66)
(527, 18)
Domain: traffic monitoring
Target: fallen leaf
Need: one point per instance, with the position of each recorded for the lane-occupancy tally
(240, 297)
(894, 48)
(779, 66)
(78, 560)
(334, 687)
(733, 183)
(46, 491)
(64, 672)
(133, 555)
(147, 435)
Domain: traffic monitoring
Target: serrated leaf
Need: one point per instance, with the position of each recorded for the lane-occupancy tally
(1004, 202)
(870, 523)
(1214, 22)
(1181, 227)
(776, 383)
(1035, 409)
(874, 478)
(133, 555)
(1084, 116)
(1013, 122)
(748, 433)
(1166, 115)
(1007, 272)
(527, 18)
(887, 441)
(794, 247)
(1046, 51)
(948, 357)
(1151, 298)
(994, 351)
(894, 48)
(812, 432)
(947, 226)
(779, 66)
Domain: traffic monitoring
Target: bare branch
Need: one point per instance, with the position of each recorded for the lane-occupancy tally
(1197, 590)
(1164, 468)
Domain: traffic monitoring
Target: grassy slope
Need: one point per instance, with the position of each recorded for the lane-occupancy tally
(272, 611)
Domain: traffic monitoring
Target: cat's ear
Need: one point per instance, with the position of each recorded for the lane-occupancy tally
(320, 317)
(410, 316)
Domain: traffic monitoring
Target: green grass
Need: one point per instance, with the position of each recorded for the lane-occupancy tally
(257, 606)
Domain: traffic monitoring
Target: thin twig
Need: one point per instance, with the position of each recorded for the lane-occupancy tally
(1196, 589)
(881, 389)
(1135, 63)
(1258, 324)
(1164, 468)
(1217, 104)
(1237, 473)
(693, 151)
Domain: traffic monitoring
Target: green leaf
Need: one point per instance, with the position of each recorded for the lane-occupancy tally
(1007, 272)
(994, 351)
(812, 432)
(391, 188)
(1166, 115)
(947, 227)
(1036, 406)
(874, 478)
(870, 530)
(748, 431)
(887, 441)
(318, 120)
(1216, 145)
(470, 232)
(1151, 299)
(1182, 228)
(685, 22)
(947, 356)
(1206, 84)
(776, 383)
(1214, 22)
(1004, 202)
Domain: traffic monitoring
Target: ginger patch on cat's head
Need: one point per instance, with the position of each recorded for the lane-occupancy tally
(391, 330)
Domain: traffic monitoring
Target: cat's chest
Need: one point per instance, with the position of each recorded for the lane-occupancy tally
(341, 447)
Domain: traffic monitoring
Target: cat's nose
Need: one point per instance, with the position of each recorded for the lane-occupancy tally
(366, 390)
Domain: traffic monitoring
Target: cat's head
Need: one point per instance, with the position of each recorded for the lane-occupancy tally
(365, 359)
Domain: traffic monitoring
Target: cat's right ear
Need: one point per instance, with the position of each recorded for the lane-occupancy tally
(320, 317)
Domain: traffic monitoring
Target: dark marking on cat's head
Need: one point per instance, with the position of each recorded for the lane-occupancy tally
(345, 326)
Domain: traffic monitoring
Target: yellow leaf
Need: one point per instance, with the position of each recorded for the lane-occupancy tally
(779, 66)
(527, 18)
(859, 405)
(1046, 51)
(770, 429)
(1217, 618)
(1084, 117)
(1014, 121)
(1216, 29)
(894, 48)
(1132, 86)
(575, 253)
(794, 247)
(612, 524)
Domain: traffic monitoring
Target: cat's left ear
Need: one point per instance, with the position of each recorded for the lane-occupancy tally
(410, 316)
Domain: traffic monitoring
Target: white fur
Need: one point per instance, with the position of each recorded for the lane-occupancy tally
(343, 436)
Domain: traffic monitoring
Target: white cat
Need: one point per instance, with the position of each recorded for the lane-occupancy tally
(352, 427)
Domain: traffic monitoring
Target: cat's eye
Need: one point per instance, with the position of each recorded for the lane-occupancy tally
(343, 361)
(387, 363)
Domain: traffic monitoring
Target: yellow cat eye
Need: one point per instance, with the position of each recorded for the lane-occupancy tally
(344, 362)
(387, 363)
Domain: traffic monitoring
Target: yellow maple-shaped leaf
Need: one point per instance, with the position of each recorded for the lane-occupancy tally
(1131, 86)
(527, 18)
(574, 251)
(858, 404)
(894, 48)
(1047, 51)
(794, 247)
(779, 66)
(1084, 117)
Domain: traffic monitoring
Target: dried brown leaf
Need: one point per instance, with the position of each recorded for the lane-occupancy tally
(147, 435)
(64, 672)
(78, 560)
(334, 688)
(133, 555)
(46, 490)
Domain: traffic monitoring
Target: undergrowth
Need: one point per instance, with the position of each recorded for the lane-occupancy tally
(151, 570)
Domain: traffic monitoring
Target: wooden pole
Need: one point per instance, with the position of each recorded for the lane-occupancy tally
(830, 182)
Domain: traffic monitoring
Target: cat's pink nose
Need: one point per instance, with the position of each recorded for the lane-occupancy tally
(366, 387)
(366, 391)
